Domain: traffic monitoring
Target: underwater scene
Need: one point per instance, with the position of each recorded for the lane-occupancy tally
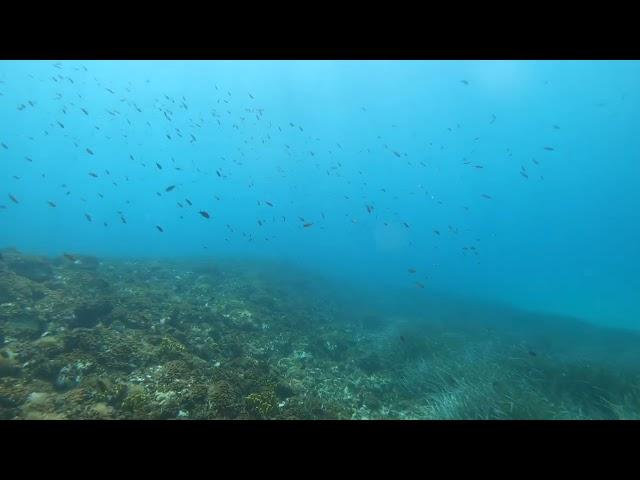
(312, 240)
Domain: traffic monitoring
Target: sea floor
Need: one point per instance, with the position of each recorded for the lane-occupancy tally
(89, 338)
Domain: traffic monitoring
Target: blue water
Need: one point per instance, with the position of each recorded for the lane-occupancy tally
(565, 240)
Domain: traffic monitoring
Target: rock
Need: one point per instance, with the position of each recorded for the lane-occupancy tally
(373, 322)
(25, 325)
(71, 375)
(7, 402)
(6, 295)
(90, 313)
(33, 268)
(14, 287)
(86, 262)
(77, 262)
(370, 363)
(40, 406)
(99, 285)
(93, 285)
(225, 398)
(208, 269)
(102, 410)
(8, 368)
(284, 391)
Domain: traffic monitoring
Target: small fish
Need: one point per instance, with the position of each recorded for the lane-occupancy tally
(307, 225)
(396, 154)
(419, 285)
(123, 220)
(405, 224)
(532, 353)
(550, 149)
(70, 257)
(89, 151)
(412, 270)
(269, 203)
(169, 188)
(94, 175)
(488, 197)
(87, 216)
(159, 166)
(524, 175)
(84, 111)
(51, 204)
(13, 199)
(436, 232)
(465, 82)
(4, 146)
(369, 208)
(159, 228)
(188, 201)
(204, 213)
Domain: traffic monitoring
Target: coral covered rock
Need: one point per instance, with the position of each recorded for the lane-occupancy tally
(8, 367)
(90, 313)
(17, 288)
(33, 268)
